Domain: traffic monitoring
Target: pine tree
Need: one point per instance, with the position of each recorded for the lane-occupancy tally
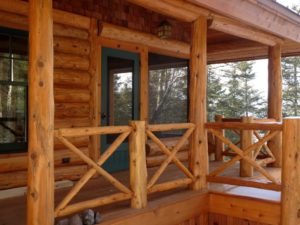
(215, 92)
(291, 89)
(241, 98)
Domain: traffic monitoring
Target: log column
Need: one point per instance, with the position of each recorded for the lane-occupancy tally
(290, 199)
(275, 99)
(198, 79)
(144, 85)
(138, 168)
(246, 170)
(40, 197)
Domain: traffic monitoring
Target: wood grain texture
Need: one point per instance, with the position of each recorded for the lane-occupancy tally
(291, 172)
(197, 106)
(275, 99)
(40, 196)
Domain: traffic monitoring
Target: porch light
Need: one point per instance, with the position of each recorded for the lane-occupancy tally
(164, 30)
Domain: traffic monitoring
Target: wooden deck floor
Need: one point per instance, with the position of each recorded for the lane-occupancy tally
(13, 210)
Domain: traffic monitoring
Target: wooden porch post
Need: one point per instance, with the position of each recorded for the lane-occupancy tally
(198, 78)
(138, 168)
(246, 169)
(291, 172)
(40, 198)
(275, 99)
(144, 89)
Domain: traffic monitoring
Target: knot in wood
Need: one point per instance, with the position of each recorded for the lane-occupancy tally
(33, 156)
(40, 63)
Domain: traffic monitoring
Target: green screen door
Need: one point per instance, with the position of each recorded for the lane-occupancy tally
(119, 105)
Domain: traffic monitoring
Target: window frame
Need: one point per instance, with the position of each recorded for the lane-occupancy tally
(179, 63)
(8, 148)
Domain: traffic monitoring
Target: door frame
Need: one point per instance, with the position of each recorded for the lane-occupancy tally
(105, 101)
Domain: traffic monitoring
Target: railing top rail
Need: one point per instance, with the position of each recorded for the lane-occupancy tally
(169, 127)
(272, 126)
(89, 131)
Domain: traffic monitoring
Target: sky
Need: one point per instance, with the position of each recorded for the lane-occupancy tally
(261, 66)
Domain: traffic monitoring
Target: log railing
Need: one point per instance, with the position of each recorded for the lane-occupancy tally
(140, 187)
(152, 185)
(64, 207)
(263, 157)
(245, 154)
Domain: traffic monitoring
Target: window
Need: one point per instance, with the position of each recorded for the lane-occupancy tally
(168, 89)
(13, 90)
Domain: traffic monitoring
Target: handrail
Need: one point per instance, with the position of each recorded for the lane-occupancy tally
(273, 126)
(89, 131)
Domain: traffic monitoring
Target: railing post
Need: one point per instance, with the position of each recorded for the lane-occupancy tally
(138, 168)
(290, 196)
(218, 143)
(246, 170)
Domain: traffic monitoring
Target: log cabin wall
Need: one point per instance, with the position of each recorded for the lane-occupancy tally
(124, 14)
(73, 73)
(72, 49)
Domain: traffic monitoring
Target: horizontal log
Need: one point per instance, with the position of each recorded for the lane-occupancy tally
(77, 207)
(73, 110)
(71, 78)
(64, 95)
(70, 122)
(68, 61)
(157, 160)
(13, 21)
(61, 30)
(245, 183)
(170, 185)
(89, 131)
(19, 178)
(71, 46)
(122, 45)
(154, 43)
(237, 29)
(21, 8)
(244, 126)
(19, 162)
(169, 127)
(152, 148)
(165, 8)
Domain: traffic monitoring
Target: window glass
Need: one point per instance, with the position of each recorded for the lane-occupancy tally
(13, 90)
(168, 89)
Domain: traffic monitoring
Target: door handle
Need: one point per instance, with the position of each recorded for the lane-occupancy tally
(103, 115)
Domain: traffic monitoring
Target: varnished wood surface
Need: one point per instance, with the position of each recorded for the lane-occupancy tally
(12, 211)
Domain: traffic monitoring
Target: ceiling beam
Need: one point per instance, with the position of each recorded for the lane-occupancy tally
(164, 8)
(184, 11)
(249, 12)
(234, 28)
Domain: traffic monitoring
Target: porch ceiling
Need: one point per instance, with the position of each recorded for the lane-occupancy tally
(263, 16)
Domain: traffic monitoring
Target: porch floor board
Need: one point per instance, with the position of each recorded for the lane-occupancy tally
(13, 210)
